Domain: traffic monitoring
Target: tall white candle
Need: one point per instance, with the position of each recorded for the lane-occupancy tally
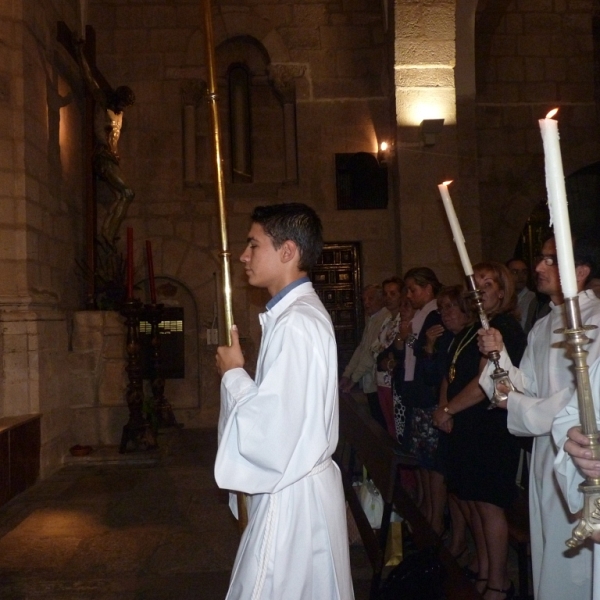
(459, 240)
(557, 205)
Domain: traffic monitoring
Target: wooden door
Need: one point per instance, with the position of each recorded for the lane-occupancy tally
(337, 281)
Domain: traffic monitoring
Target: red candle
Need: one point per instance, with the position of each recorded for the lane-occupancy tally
(129, 263)
(151, 272)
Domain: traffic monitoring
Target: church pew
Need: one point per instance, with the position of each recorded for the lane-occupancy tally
(363, 438)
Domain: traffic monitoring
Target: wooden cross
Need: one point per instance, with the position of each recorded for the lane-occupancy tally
(65, 37)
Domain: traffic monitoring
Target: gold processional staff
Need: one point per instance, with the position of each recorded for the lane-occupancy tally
(211, 94)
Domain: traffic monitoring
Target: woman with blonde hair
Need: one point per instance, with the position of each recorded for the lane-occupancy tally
(482, 454)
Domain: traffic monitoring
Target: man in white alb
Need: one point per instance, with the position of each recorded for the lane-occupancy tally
(546, 380)
(277, 433)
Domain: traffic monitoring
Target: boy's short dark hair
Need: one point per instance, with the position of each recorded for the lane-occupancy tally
(296, 222)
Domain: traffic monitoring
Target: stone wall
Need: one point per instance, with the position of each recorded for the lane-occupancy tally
(424, 61)
(531, 57)
(328, 59)
(491, 70)
(97, 364)
(40, 218)
(331, 77)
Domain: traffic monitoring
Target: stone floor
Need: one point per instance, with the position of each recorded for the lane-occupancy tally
(139, 526)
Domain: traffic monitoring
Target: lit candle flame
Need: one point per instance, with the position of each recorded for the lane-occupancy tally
(383, 147)
(448, 182)
(551, 113)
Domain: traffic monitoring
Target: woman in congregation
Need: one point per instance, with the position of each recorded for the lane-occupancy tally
(402, 416)
(482, 455)
(421, 399)
(384, 351)
(456, 313)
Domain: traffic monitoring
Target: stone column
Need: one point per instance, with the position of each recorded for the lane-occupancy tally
(424, 65)
(283, 78)
(192, 93)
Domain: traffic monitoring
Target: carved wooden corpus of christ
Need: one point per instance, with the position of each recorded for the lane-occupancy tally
(103, 120)
(65, 38)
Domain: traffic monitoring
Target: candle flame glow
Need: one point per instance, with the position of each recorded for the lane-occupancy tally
(447, 182)
(551, 113)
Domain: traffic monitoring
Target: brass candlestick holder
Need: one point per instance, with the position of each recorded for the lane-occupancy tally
(164, 411)
(499, 375)
(590, 488)
(137, 430)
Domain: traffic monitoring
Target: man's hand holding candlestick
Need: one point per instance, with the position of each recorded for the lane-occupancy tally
(577, 448)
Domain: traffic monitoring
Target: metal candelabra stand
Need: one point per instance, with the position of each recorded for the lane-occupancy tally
(499, 375)
(590, 488)
(137, 430)
(164, 411)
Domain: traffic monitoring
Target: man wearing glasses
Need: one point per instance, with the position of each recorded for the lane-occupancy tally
(546, 382)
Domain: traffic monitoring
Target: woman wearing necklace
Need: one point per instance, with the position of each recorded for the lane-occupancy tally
(456, 314)
(482, 454)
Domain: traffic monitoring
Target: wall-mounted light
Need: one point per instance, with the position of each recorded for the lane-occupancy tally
(429, 130)
(383, 153)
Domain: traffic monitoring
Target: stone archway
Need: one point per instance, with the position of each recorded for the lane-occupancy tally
(239, 23)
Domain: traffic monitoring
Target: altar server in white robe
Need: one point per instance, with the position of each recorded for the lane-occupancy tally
(277, 432)
(547, 381)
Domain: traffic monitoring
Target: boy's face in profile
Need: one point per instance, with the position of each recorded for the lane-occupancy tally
(262, 263)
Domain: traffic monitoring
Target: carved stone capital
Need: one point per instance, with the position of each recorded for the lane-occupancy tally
(283, 78)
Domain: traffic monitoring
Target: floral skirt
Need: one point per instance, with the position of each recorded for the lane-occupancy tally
(424, 437)
(400, 416)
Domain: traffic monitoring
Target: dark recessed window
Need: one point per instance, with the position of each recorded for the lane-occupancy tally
(239, 124)
(361, 182)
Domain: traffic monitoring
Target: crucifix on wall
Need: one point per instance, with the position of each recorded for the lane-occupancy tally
(104, 107)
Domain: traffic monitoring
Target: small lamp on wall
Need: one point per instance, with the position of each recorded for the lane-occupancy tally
(383, 153)
(429, 130)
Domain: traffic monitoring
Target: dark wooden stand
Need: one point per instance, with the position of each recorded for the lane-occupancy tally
(137, 430)
(164, 411)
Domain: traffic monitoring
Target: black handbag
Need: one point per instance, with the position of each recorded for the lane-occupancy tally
(418, 577)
